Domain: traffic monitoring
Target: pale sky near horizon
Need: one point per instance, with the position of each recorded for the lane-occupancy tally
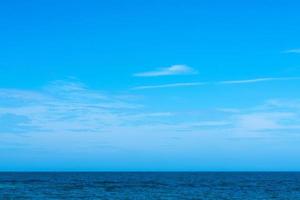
(149, 85)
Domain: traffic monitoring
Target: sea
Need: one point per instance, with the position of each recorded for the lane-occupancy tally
(151, 185)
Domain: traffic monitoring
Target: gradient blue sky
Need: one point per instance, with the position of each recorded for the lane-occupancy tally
(149, 85)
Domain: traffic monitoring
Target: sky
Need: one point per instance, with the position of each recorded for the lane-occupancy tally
(149, 85)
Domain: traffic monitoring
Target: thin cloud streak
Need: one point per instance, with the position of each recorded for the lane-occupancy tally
(168, 71)
(169, 85)
(229, 82)
(292, 51)
(259, 80)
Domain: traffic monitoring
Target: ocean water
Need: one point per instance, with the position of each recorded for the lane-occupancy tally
(171, 186)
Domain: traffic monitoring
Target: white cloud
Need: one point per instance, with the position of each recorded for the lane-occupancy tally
(229, 82)
(169, 85)
(20, 94)
(285, 104)
(246, 81)
(195, 126)
(67, 122)
(269, 119)
(261, 121)
(167, 71)
(66, 107)
(228, 110)
(59, 108)
(292, 51)
(258, 80)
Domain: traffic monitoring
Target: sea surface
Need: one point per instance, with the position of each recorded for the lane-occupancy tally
(144, 185)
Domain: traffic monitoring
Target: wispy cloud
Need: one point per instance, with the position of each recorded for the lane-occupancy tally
(263, 121)
(61, 108)
(168, 71)
(67, 122)
(66, 107)
(188, 84)
(292, 51)
(169, 85)
(258, 80)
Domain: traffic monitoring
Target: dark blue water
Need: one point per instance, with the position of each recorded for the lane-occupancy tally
(150, 186)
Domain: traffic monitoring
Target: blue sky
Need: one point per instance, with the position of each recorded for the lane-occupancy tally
(149, 85)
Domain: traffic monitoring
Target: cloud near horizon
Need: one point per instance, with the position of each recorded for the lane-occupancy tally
(168, 71)
(70, 120)
(66, 107)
